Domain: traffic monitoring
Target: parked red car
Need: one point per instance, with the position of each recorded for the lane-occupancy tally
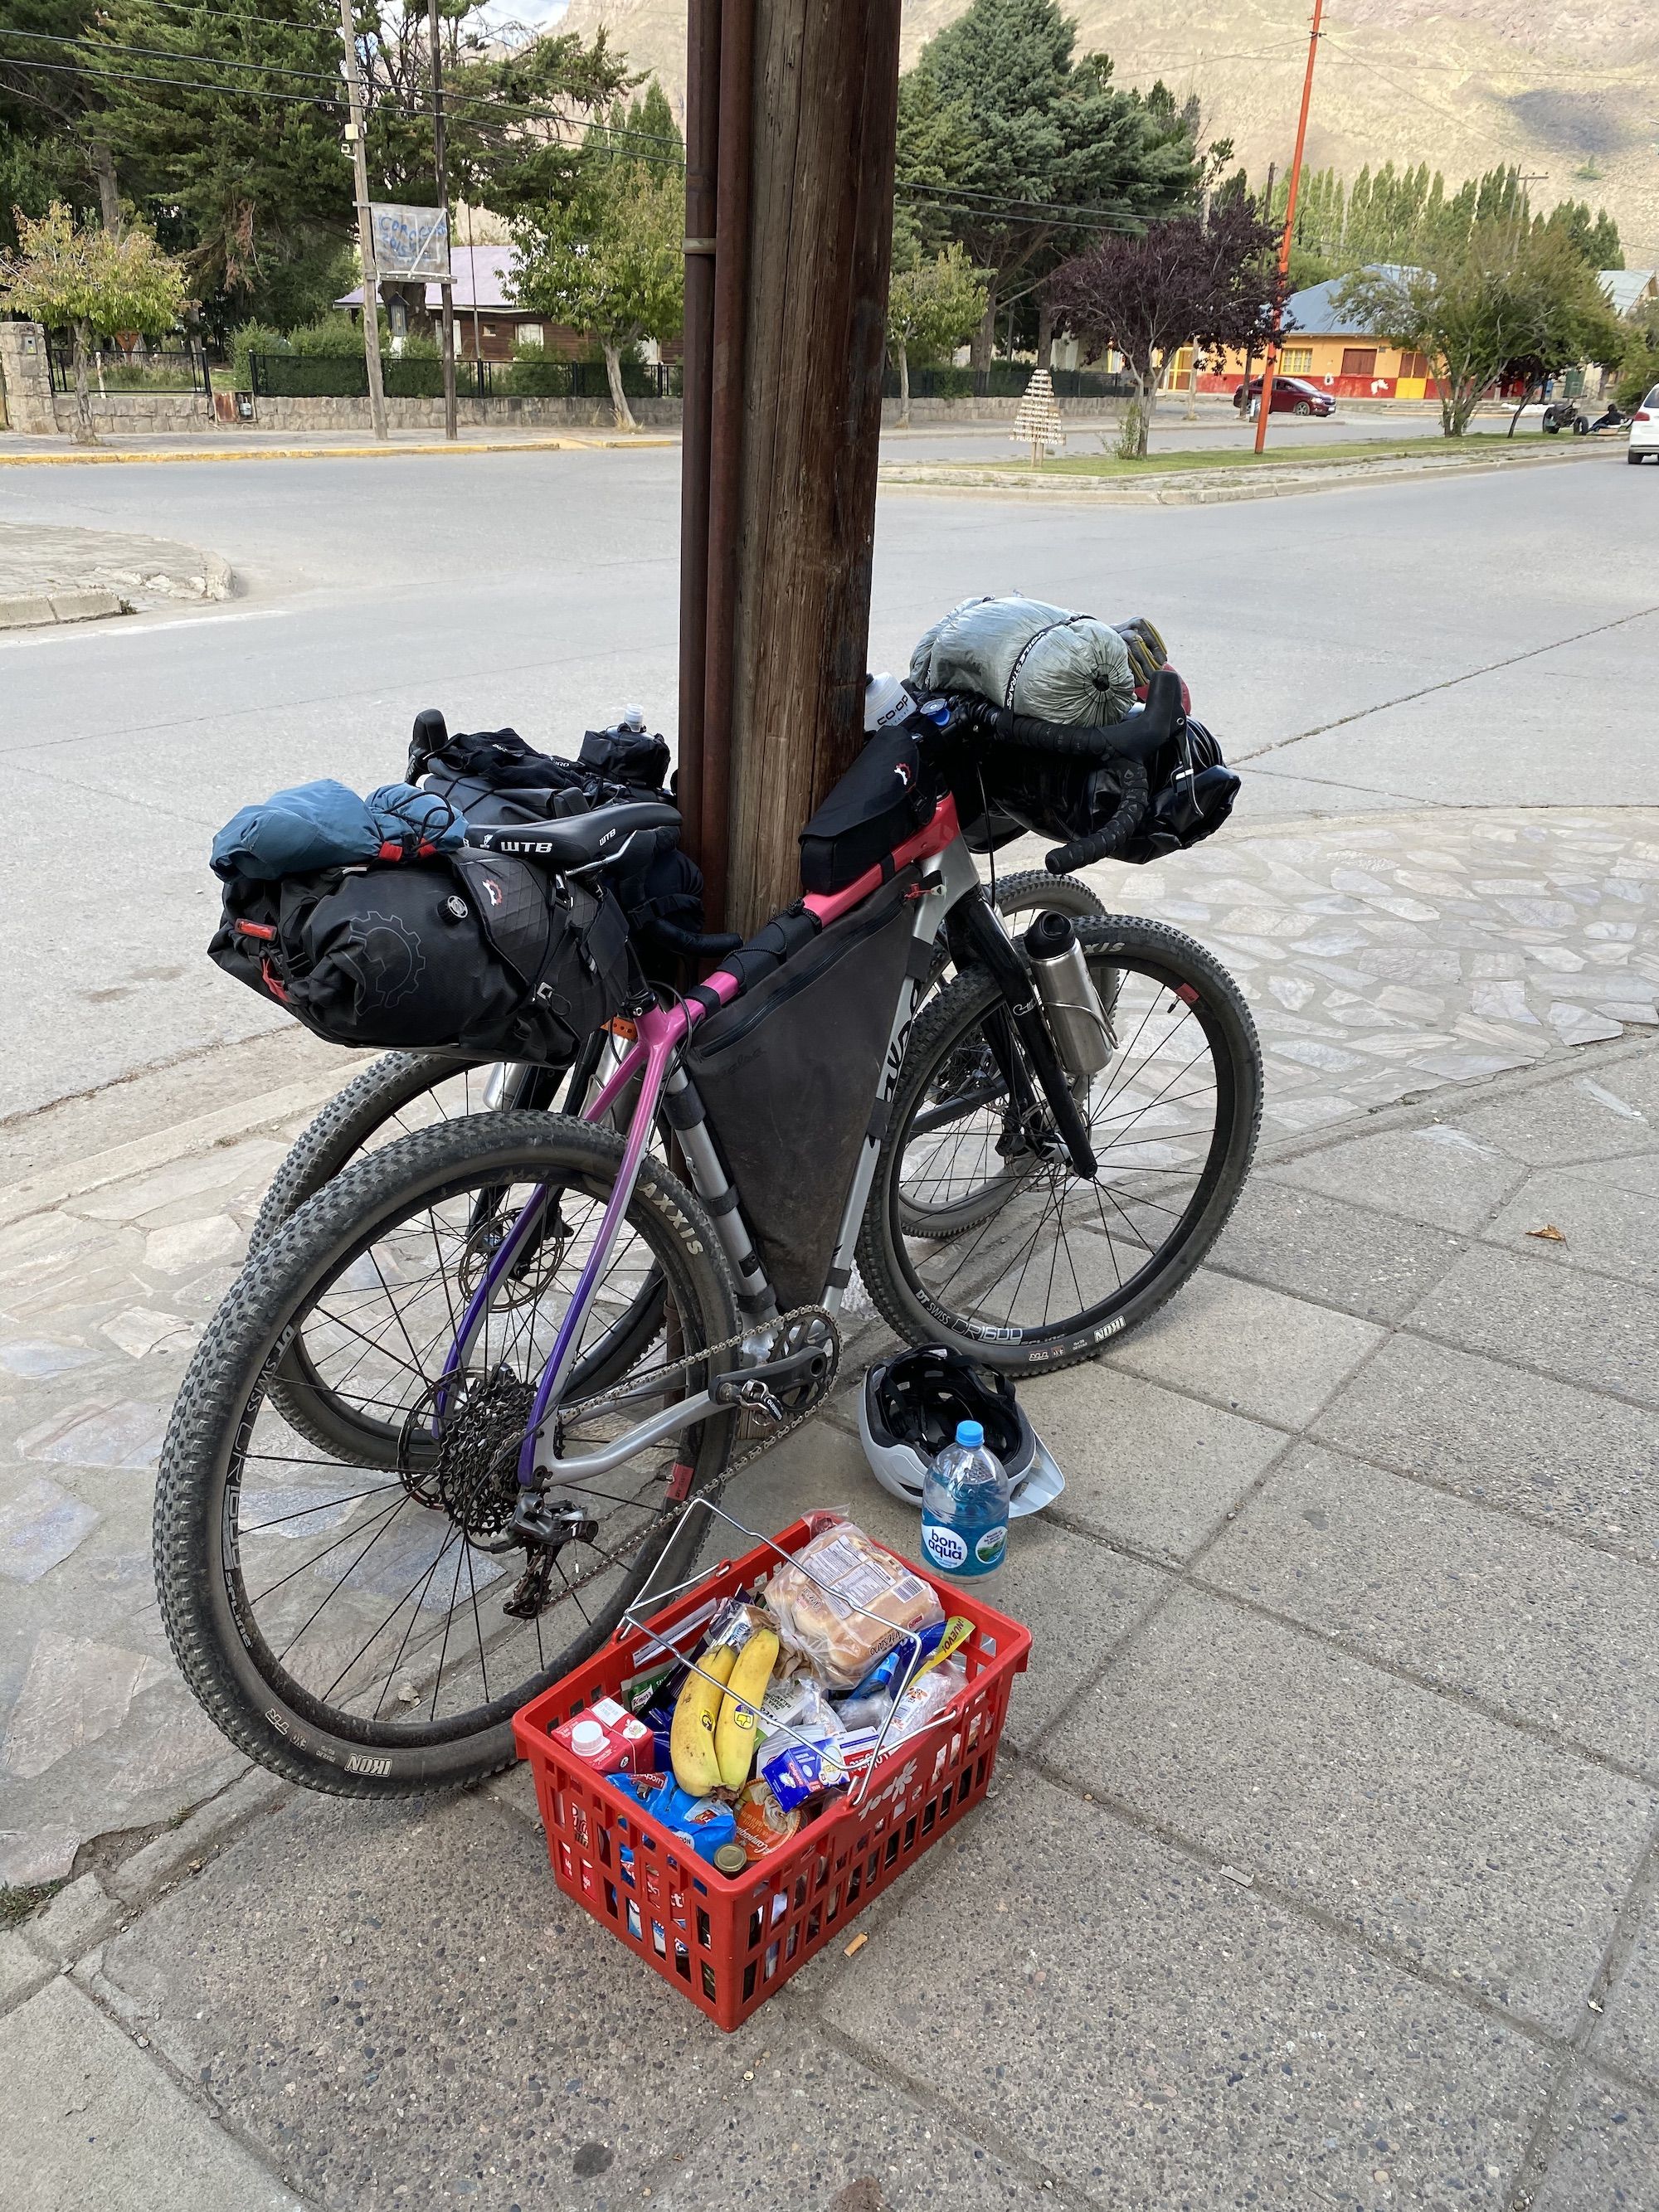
(1292, 395)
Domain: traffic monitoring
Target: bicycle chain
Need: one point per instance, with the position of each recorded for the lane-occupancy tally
(775, 1430)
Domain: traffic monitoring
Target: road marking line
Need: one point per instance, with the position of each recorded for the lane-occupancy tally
(62, 632)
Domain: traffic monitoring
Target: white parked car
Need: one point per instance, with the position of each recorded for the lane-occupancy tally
(1644, 430)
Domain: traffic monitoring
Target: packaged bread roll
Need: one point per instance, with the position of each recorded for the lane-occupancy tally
(843, 1603)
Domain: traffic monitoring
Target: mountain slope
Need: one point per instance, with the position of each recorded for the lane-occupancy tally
(1461, 84)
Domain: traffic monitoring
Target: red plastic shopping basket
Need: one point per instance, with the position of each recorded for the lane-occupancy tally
(729, 1943)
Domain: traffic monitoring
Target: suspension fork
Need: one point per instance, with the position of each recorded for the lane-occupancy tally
(976, 933)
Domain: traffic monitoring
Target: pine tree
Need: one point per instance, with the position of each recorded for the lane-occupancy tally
(1043, 131)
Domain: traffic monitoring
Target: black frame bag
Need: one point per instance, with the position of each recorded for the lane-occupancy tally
(472, 952)
(785, 1073)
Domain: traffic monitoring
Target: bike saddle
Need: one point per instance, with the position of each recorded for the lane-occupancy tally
(581, 841)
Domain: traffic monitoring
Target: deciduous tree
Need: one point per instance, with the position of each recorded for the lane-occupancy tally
(1509, 301)
(933, 306)
(1182, 282)
(609, 259)
(89, 281)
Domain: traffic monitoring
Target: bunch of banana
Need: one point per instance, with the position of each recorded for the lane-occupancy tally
(734, 1731)
(712, 1739)
(691, 1735)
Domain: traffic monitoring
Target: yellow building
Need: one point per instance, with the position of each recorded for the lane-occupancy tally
(1331, 347)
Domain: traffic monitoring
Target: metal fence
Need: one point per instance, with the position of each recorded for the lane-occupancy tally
(410, 376)
(1006, 380)
(109, 369)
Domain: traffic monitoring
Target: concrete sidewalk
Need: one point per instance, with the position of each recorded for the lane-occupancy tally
(1319, 1864)
(55, 574)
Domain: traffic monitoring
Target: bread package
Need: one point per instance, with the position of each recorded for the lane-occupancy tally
(843, 1603)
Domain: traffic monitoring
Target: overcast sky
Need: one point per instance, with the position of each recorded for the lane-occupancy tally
(537, 15)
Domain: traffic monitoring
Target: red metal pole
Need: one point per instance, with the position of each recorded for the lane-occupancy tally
(1271, 360)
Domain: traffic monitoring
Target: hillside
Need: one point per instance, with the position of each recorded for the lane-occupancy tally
(1461, 84)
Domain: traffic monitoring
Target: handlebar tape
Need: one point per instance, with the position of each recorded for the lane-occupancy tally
(697, 944)
(1136, 737)
(1107, 842)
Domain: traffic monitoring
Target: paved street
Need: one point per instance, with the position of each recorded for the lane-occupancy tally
(1320, 1867)
(1367, 648)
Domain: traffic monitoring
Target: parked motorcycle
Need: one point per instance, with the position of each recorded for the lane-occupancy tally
(1565, 414)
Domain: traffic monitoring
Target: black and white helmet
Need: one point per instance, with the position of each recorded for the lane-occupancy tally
(908, 1412)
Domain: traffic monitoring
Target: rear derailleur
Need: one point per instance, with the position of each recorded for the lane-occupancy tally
(544, 1527)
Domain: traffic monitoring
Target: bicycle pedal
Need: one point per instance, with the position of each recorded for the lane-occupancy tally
(755, 1397)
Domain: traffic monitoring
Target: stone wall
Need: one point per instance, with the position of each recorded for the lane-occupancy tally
(297, 416)
(138, 414)
(26, 379)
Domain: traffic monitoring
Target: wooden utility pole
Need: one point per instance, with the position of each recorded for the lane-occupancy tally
(808, 105)
(696, 369)
(365, 226)
(1271, 360)
(440, 171)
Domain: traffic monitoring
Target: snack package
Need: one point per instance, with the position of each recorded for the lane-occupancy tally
(795, 1772)
(843, 1603)
(926, 1699)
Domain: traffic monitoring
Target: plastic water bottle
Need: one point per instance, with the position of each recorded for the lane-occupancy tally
(965, 1508)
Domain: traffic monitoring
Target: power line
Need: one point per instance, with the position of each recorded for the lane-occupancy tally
(189, 84)
(172, 54)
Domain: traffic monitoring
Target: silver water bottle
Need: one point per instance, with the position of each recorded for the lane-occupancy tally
(1082, 1034)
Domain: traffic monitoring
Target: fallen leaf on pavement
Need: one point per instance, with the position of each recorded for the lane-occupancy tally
(1549, 1234)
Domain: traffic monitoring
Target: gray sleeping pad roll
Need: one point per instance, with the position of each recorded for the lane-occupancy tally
(1037, 659)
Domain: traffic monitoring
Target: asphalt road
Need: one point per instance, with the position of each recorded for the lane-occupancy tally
(1473, 643)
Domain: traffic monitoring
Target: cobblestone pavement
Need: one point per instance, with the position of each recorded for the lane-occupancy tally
(1319, 1870)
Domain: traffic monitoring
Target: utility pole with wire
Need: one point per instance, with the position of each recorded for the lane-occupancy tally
(1271, 359)
(440, 169)
(365, 226)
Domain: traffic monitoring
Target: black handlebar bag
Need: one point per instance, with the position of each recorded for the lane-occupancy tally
(472, 953)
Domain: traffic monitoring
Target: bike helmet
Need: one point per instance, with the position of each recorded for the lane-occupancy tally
(908, 1410)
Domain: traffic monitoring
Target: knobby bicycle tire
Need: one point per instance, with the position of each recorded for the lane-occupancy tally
(195, 1545)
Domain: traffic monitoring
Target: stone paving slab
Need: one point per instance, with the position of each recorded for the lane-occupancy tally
(1160, 2036)
(1146, 1467)
(1583, 1328)
(91, 2124)
(1317, 1248)
(430, 2017)
(1493, 1858)
(1549, 1630)
(1627, 2035)
(1253, 1351)
(1493, 1431)
(1602, 1224)
(1437, 1175)
(1609, 2157)
(818, 2132)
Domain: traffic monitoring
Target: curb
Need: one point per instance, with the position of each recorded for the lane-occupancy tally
(33, 610)
(1289, 482)
(56, 1186)
(331, 453)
